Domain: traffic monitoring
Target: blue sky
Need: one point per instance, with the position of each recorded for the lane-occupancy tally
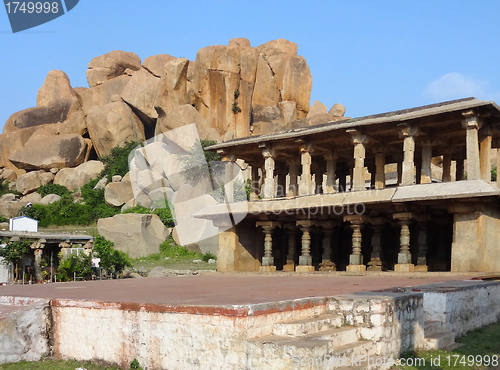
(370, 56)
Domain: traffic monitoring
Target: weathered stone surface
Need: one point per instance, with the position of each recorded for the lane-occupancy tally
(297, 84)
(266, 90)
(46, 178)
(110, 65)
(148, 181)
(9, 197)
(118, 193)
(11, 209)
(102, 94)
(141, 92)
(8, 174)
(29, 182)
(34, 198)
(185, 115)
(279, 46)
(156, 64)
(136, 234)
(289, 111)
(130, 204)
(49, 199)
(317, 108)
(116, 178)
(172, 90)
(267, 119)
(157, 272)
(55, 88)
(337, 110)
(112, 125)
(46, 152)
(161, 194)
(57, 112)
(239, 41)
(75, 178)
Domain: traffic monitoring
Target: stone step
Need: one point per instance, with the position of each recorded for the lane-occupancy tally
(354, 350)
(307, 326)
(439, 340)
(432, 327)
(337, 337)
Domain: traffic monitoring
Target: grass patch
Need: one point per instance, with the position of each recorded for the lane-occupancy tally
(48, 364)
(476, 345)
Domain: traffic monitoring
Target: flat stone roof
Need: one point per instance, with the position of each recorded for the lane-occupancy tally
(395, 116)
(422, 192)
(49, 237)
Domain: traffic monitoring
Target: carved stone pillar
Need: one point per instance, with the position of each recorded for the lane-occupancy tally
(375, 263)
(326, 259)
(446, 167)
(358, 173)
(425, 174)
(408, 133)
(305, 259)
(356, 258)
(291, 230)
(331, 169)
(379, 170)
(305, 187)
(404, 256)
(472, 124)
(268, 259)
(485, 153)
(422, 242)
(38, 251)
(293, 172)
(268, 154)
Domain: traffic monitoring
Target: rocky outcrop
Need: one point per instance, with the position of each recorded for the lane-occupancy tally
(113, 124)
(110, 65)
(136, 234)
(118, 193)
(172, 89)
(55, 88)
(29, 182)
(75, 178)
(46, 152)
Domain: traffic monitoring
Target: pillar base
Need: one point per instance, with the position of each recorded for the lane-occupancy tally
(374, 265)
(267, 269)
(290, 266)
(404, 267)
(305, 261)
(356, 259)
(304, 268)
(327, 266)
(404, 258)
(355, 268)
(267, 261)
(421, 268)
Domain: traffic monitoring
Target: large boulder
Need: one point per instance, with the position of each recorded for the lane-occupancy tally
(155, 64)
(316, 108)
(108, 92)
(112, 125)
(172, 90)
(297, 84)
(118, 193)
(185, 115)
(337, 110)
(138, 235)
(279, 46)
(110, 65)
(55, 88)
(56, 112)
(49, 199)
(29, 182)
(46, 152)
(141, 92)
(75, 178)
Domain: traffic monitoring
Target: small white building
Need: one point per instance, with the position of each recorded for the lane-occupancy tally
(23, 223)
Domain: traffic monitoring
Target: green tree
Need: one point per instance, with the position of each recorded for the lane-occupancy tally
(112, 260)
(13, 252)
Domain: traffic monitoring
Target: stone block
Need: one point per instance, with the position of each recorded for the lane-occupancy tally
(305, 261)
(404, 258)
(267, 268)
(267, 261)
(421, 268)
(304, 268)
(404, 267)
(289, 267)
(355, 259)
(356, 268)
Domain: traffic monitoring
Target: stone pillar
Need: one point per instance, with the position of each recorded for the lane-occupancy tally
(356, 258)
(268, 154)
(254, 193)
(291, 230)
(404, 256)
(446, 167)
(305, 187)
(379, 170)
(293, 171)
(343, 181)
(358, 173)
(305, 259)
(460, 169)
(399, 167)
(65, 247)
(426, 172)
(318, 179)
(331, 169)
(326, 259)
(485, 154)
(422, 242)
(268, 259)
(88, 247)
(472, 124)
(375, 263)
(229, 176)
(281, 191)
(408, 133)
(38, 251)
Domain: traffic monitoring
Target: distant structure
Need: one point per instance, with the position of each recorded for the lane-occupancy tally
(23, 223)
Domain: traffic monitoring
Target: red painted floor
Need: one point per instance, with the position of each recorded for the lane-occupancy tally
(219, 289)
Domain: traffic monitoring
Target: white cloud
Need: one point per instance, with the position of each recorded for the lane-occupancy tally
(455, 86)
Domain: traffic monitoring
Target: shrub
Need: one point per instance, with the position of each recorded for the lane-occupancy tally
(111, 259)
(13, 252)
(169, 249)
(52, 189)
(116, 163)
(209, 256)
